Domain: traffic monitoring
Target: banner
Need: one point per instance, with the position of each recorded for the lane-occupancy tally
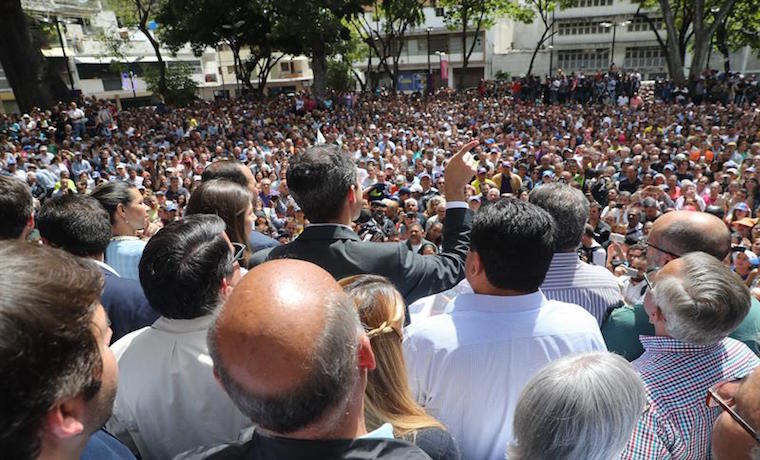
(126, 82)
(444, 66)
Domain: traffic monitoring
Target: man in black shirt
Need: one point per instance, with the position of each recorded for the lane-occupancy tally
(631, 182)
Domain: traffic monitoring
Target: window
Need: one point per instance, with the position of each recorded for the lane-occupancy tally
(194, 66)
(644, 57)
(285, 67)
(581, 28)
(455, 46)
(439, 12)
(439, 43)
(640, 24)
(589, 3)
(585, 60)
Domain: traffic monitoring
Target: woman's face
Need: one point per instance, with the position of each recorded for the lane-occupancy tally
(135, 211)
(742, 262)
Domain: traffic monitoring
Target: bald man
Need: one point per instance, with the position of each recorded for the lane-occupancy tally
(730, 441)
(672, 236)
(290, 351)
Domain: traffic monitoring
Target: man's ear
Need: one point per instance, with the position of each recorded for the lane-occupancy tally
(66, 419)
(366, 355)
(473, 264)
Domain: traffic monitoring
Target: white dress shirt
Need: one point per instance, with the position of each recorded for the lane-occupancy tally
(168, 400)
(467, 367)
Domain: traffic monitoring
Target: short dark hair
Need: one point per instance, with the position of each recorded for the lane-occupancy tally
(75, 223)
(228, 170)
(16, 207)
(319, 180)
(47, 347)
(111, 195)
(569, 208)
(515, 241)
(183, 265)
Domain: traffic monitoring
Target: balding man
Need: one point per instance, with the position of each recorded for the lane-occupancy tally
(290, 351)
(732, 435)
(672, 236)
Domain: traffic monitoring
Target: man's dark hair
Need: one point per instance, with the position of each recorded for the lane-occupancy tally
(16, 207)
(515, 241)
(569, 208)
(183, 265)
(47, 347)
(319, 180)
(111, 194)
(228, 170)
(75, 223)
(332, 375)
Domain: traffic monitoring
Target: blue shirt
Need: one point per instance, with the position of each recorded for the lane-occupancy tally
(123, 255)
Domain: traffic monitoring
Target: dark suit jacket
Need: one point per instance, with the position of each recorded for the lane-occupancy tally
(339, 250)
(126, 305)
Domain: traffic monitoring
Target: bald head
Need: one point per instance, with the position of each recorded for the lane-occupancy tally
(681, 232)
(284, 345)
(729, 440)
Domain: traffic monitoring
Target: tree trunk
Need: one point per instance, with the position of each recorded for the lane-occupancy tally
(161, 66)
(460, 78)
(721, 37)
(319, 67)
(539, 43)
(31, 76)
(673, 55)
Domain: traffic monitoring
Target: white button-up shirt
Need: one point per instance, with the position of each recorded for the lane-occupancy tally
(168, 400)
(467, 367)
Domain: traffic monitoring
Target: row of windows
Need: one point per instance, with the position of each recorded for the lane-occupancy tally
(449, 44)
(586, 60)
(640, 24)
(588, 3)
(644, 57)
(581, 28)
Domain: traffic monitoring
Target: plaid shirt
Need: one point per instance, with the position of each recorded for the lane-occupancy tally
(678, 423)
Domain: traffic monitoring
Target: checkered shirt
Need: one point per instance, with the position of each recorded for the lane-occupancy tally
(678, 423)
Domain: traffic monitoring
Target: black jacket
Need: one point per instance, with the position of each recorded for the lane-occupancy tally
(126, 305)
(339, 250)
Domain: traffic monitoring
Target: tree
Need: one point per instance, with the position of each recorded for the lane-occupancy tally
(475, 16)
(316, 28)
(740, 28)
(393, 19)
(33, 78)
(339, 76)
(142, 14)
(544, 9)
(180, 87)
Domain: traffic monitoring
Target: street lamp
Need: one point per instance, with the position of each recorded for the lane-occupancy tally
(614, 26)
(429, 73)
(551, 59)
(57, 23)
(234, 28)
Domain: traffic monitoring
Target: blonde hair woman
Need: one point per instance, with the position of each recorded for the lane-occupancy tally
(388, 398)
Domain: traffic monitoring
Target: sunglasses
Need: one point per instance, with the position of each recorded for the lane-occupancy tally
(672, 254)
(239, 252)
(722, 395)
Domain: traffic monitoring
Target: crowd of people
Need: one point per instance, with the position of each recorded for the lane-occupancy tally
(385, 276)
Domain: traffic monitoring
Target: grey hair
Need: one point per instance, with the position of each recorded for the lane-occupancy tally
(570, 210)
(582, 406)
(327, 388)
(705, 303)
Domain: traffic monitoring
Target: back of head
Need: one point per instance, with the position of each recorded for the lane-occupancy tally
(580, 407)
(703, 302)
(388, 397)
(319, 180)
(689, 231)
(16, 207)
(228, 200)
(285, 345)
(183, 265)
(568, 207)
(228, 170)
(47, 347)
(111, 194)
(515, 241)
(75, 223)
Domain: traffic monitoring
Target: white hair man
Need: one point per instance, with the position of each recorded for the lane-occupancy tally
(590, 404)
(694, 302)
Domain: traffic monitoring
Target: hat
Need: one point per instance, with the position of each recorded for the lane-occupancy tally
(170, 206)
(548, 172)
(404, 190)
(482, 170)
(742, 207)
(746, 221)
(669, 167)
(424, 175)
(474, 198)
(416, 188)
(732, 171)
(730, 164)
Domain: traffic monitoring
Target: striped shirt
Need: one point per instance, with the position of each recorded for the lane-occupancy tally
(123, 255)
(572, 281)
(677, 375)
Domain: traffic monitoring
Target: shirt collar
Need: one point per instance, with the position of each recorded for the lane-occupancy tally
(499, 304)
(106, 267)
(330, 225)
(670, 345)
(564, 259)
(182, 326)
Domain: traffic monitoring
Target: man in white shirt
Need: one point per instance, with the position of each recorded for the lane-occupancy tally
(168, 401)
(467, 367)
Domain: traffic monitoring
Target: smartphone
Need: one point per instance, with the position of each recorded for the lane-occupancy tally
(632, 272)
(617, 238)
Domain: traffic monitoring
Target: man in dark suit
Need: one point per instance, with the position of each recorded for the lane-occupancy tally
(79, 225)
(324, 183)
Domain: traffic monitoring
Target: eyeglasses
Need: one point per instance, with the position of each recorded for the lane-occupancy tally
(673, 254)
(239, 252)
(722, 394)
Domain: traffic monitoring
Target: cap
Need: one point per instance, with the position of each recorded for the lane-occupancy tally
(170, 206)
(474, 198)
(730, 164)
(416, 188)
(548, 172)
(482, 170)
(404, 190)
(742, 207)
(669, 167)
(424, 175)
